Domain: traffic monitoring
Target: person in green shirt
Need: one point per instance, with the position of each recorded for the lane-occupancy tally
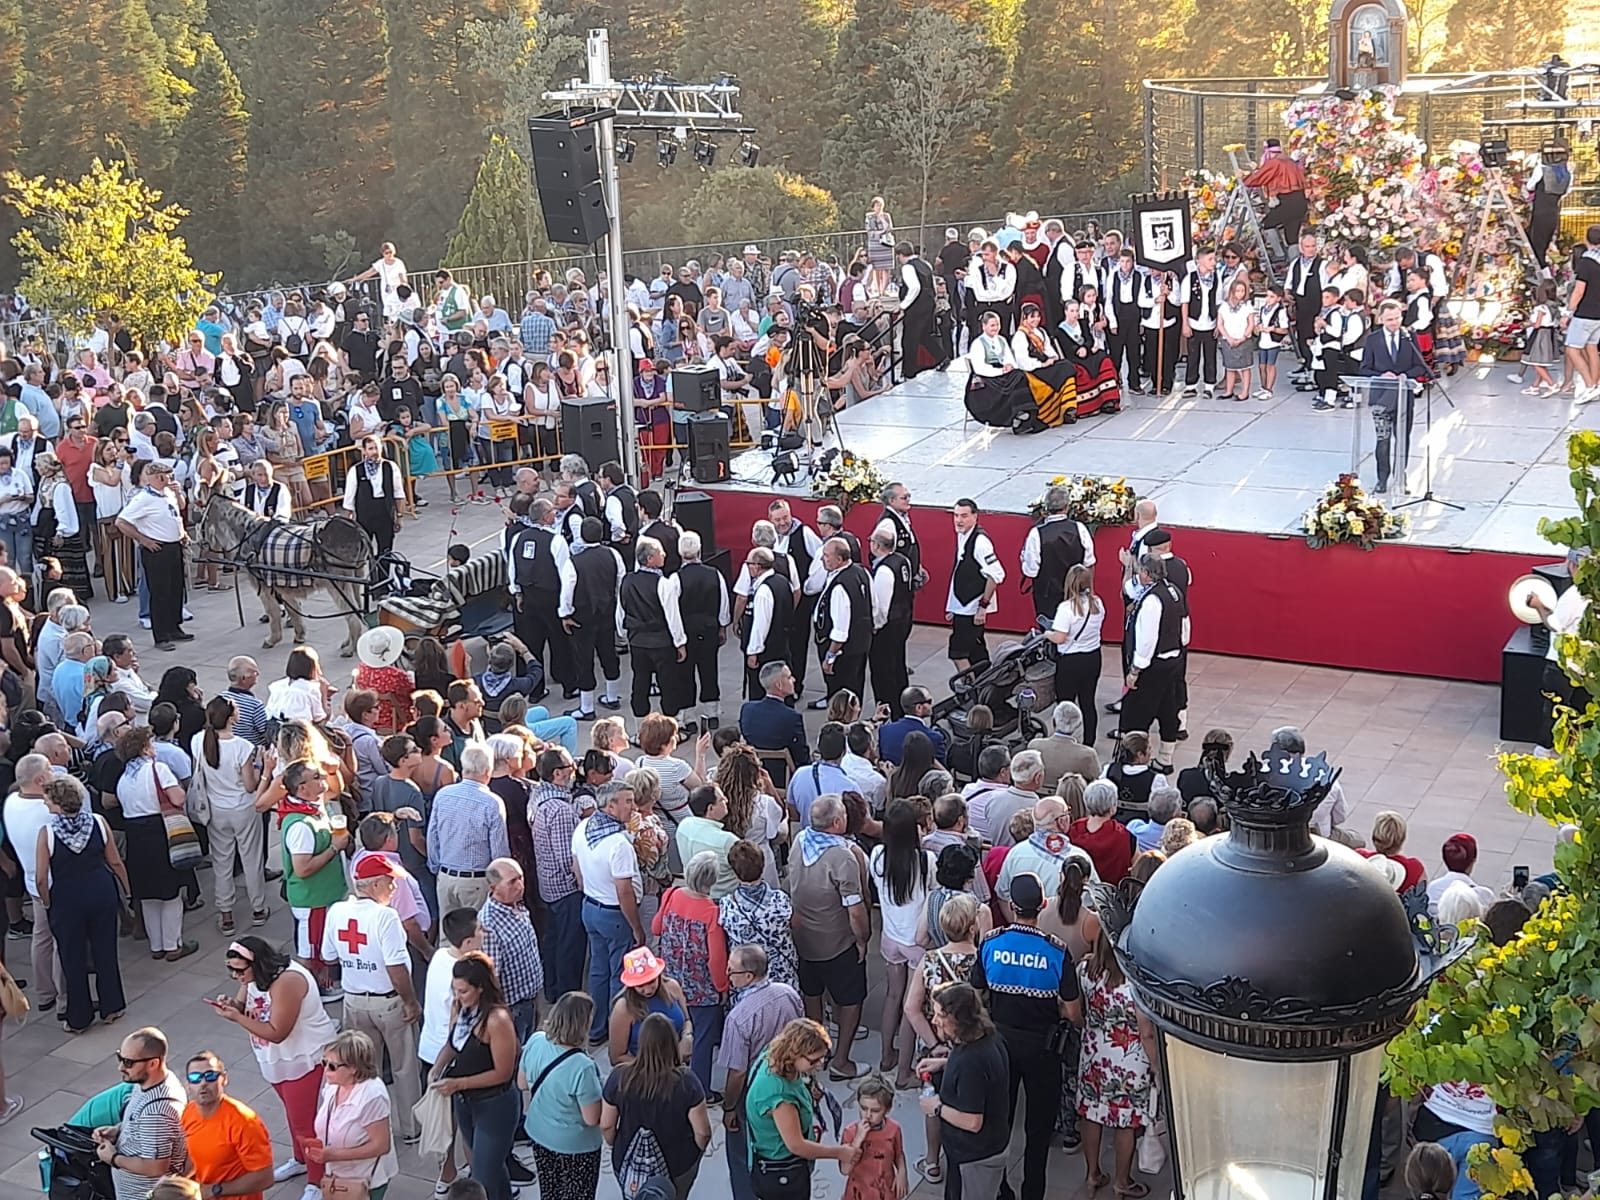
(454, 304)
(779, 1104)
(704, 831)
(103, 1108)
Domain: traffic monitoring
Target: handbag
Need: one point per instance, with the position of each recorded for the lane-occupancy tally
(434, 1122)
(335, 1187)
(1152, 1156)
(197, 801)
(183, 844)
(781, 1178)
(12, 1002)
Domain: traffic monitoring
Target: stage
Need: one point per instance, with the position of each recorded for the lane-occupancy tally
(1232, 480)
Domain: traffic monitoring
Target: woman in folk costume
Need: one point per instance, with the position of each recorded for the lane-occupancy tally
(998, 393)
(1052, 381)
(1034, 244)
(1097, 384)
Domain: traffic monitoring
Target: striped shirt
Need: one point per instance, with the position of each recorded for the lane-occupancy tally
(553, 817)
(252, 722)
(513, 947)
(152, 1127)
(466, 828)
(534, 332)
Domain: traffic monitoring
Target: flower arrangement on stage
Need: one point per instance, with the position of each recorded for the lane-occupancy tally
(1093, 499)
(1347, 514)
(849, 479)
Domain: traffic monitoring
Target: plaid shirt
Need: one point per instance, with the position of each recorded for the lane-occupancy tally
(535, 332)
(466, 828)
(513, 947)
(821, 279)
(553, 817)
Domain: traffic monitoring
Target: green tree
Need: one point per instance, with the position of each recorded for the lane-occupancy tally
(1503, 35)
(1504, 1016)
(1285, 38)
(736, 204)
(105, 241)
(524, 55)
(214, 132)
(500, 223)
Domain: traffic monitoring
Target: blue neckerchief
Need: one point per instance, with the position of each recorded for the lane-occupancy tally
(601, 826)
(813, 844)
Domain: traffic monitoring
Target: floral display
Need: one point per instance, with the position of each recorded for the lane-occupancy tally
(1347, 514)
(1092, 499)
(849, 479)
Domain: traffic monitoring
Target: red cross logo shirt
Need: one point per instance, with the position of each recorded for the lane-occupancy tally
(365, 938)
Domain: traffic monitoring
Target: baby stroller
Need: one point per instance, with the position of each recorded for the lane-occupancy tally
(68, 1166)
(1017, 683)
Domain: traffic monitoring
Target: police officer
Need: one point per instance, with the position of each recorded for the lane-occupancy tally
(891, 616)
(1153, 648)
(653, 622)
(703, 600)
(843, 621)
(539, 570)
(765, 622)
(589, 616)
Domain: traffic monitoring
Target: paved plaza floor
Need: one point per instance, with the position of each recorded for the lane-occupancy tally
(1421, 747)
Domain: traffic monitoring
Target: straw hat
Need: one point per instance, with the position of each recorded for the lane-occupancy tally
(381, 646)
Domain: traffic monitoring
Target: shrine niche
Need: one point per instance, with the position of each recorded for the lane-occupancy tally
(1366, 44)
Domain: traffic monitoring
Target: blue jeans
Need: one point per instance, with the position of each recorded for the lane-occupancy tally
(554, 729)
(563, 946)
(487, 1125)
(739, 1164)
(707, 1021)
(18, 535)
(610, 937)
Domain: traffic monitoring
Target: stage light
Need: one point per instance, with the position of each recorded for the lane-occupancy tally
(726, 80)
(625, 149)
(784, 468)
(666, 151)
(749, 153)
(1495, 151)
(705, 152)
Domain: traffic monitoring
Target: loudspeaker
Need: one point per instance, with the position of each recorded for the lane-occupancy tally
(694, 389)
(709, 435)
(693, 513)
(1524, 713)
(589, 429)
(1556, 575)
(566, 173)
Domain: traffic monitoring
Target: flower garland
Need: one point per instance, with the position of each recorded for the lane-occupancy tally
(1093, 499)
(1347, 514)
(848, 480)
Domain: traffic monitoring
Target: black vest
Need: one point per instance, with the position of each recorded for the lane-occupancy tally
(969, 580)
(1304, 282)
(590, 500)
(853, 580)
(1169, 635)
(701, 598)
(571, 524)
(667, 535)
(629, 499)
(1122, 294)
(900, 602)
(853, 542)
(777, 645)
(366, 500)
(1178, 576)
(532, 562)
(269, 506)
(797, 552)
(1060, 549)
(643, 615)
(904, 540)
(595, 594)
(1212, 293)
(1133, 791)
(780, 568)
(923, 304)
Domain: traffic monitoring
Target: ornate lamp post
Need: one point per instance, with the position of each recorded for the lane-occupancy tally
(1275, 966)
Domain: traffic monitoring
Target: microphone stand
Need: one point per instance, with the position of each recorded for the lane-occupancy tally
(1428, 386)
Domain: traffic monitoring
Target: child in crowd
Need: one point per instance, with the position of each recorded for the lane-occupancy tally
(1274, 322)
(1543, 350)
(880, 1169)
(422, 460)
(1430, 1172)
(462, 935)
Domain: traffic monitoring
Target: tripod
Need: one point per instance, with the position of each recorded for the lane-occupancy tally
(1428, 386)
(1495, 199)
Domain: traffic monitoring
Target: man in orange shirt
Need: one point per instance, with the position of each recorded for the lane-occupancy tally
(228, 1143)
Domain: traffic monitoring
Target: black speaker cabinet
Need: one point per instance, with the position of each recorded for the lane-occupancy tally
(693, 513)
(694, 389)
(589, 429)
(1524, 712)
(709, 435)
(566, 172)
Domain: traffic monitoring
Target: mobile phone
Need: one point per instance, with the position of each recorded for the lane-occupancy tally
(1519, 877)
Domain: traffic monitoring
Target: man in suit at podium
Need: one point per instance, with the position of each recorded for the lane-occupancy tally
(1391, 354)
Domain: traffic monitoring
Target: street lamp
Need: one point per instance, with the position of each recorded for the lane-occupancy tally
(1275, 966)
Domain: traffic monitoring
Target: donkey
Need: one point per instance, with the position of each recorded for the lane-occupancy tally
(291, 563)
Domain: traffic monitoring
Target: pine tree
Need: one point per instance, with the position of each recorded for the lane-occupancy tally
(1490, 35)
(13, 82)
(214, 132)
(501, 221)
(735, 204)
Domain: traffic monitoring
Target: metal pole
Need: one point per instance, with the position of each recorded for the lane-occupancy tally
(1149, 137)
(600, 76)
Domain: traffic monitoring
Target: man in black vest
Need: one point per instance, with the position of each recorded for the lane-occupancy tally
(371, 491)
(621, 509)
(539, 572)
(1159, 542)
(1124, 316)
(802, 547)
(665, 532)
(764, 534)
(265, 496)
(653, 621)
(575, 470)
(843, 621)
(1052, 548)
(1303, 284)
(830, 524)
(920, 335)
(1155, 635)
(891, 613)
(765, 620)
(703, 600)
(589, 615)
(897, 519)
(973, 580)
(569, 512)
(1200, 301)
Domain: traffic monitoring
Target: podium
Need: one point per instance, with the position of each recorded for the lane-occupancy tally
(1363, 388)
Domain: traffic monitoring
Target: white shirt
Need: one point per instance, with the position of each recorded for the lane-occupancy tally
(668, 592)
(560, 554)
(1031, 550)
(58, 496)
(745, 586)
(282, 505)
(225, 781)
(1022, 351)
(1440, 886)
(24, 817)
(601, 865)
(900, 920)
(436, 1004)
(1083, 629)
(1564, 618)
(990, 356)
(616, 519)
(760, 613)
(155, 515)
(1209, 292)
(128, 682)
(365, 938)
(364, 419)
(383, 471)
(988, 563)
(1335, 807)
(1146, 629)
(839, 613)
(295, 700)
(136, 789)
(991, 286)
(910, 285)
(882, 595)
(16, 490)
(868, 779)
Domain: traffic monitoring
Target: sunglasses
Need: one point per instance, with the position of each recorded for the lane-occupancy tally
(327, 1065)
(204, 1076)
(132, 1062)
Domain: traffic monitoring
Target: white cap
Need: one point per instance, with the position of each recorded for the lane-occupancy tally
(751, 250)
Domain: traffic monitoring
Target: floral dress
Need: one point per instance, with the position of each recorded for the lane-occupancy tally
(1113, 1072)
(758, 915)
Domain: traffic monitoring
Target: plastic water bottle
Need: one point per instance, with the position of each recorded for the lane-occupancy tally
(1026, 699)
(927, 1084)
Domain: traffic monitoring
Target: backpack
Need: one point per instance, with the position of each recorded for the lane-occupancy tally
(295, 342)
(643, 1167)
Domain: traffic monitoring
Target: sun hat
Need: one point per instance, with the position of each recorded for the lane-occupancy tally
(639, 967)
(380, 646)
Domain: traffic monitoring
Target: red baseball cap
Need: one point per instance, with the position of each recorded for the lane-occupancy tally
(375, 866)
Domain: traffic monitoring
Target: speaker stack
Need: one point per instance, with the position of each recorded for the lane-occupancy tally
(709, 456)
(589, 430)
(566, 172)
(694, 389)
(693, 513)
